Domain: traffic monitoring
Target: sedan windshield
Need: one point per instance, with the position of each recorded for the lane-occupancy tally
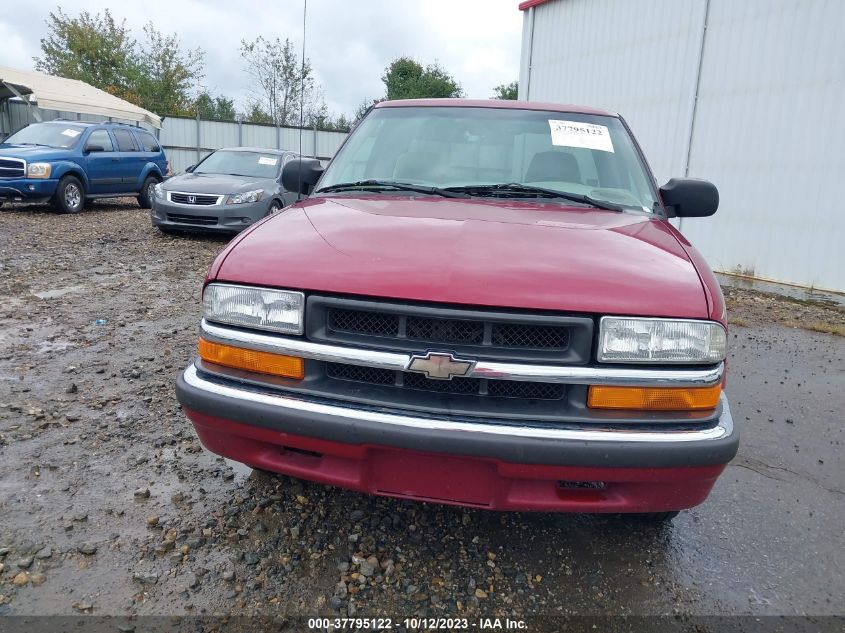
(47, 135)
(251, 164)
(496, 152)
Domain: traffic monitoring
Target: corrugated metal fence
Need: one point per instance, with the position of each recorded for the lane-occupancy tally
(187, 140)
(746, 94)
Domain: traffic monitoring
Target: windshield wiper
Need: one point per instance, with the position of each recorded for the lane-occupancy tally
(517, 188)
(374, 185)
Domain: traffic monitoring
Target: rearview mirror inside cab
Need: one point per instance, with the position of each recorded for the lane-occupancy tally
(690, 197)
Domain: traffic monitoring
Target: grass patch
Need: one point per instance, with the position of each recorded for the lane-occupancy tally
(837, 329)
(739, 322)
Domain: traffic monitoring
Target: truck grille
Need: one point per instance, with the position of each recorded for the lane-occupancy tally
(456, 386)
(468, 333)
(193, 198)
(438, 330)
(12, 168)
(487, 334)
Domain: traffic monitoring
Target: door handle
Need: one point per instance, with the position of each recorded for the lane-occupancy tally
(114, 159)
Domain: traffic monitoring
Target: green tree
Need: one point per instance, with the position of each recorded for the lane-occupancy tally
(281, 79)
(92, 48)
(156, 74)
(405, 78)
(167, 75)
(212, 108)
(255, 113)
(507, 91)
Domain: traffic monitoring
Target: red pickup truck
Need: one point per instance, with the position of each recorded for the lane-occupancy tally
(479, 303)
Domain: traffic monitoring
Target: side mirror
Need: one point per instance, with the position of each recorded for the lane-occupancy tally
(301, 174)
(90, 149)
(690, 197)
(190, 168)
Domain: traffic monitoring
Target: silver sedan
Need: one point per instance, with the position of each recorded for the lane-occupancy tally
(227, 191)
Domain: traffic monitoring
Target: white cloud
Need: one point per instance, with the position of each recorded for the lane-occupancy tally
(348, 42)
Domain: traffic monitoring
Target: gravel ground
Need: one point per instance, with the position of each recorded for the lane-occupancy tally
(110, 506)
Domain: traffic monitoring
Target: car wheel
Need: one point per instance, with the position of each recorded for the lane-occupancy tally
(145, 198)
(275, 207)
(69, 196)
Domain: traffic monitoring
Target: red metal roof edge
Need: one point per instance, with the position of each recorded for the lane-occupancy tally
(496, 103)
(527, 4)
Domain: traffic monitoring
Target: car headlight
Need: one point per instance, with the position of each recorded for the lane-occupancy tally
(260, 308)
(158, 191)
(246, 196)
(634, 340)
(38, 170)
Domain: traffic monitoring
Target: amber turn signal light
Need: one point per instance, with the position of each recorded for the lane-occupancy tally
(251, 360)
(654, 398)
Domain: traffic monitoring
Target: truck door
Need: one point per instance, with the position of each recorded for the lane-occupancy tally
(131, 160)
(103, 167)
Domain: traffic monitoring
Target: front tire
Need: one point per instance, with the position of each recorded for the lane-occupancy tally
(69, 196)
(275, 207)
(145, 198)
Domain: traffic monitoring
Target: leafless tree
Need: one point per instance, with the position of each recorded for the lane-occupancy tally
(280, 79)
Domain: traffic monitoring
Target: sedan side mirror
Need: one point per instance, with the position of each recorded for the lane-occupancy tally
(690, 197)
(190, 168)
(90, 149)
(301, 174)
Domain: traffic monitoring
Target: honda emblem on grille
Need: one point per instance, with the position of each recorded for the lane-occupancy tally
(439, 365)
(192, 199)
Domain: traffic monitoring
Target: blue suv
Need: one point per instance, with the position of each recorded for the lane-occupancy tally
(70, 162)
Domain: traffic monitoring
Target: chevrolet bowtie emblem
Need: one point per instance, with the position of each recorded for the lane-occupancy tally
(439, 366)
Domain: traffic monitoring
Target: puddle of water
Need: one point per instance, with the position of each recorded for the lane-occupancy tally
(242, 471)
(54, 346)
(55, 293)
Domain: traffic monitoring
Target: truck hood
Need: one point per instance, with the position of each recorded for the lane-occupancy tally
(216, 183)
(32, 153)
(473, 252)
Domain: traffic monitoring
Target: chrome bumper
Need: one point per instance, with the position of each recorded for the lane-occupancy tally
(572, 375)
(351, 415)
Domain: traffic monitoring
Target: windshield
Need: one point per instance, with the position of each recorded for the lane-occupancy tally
(252, 164)
(582, 154)
(47, 134)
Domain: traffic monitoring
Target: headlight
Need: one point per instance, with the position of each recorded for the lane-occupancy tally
(158, 191)
(38, 170)
(632, 340)
(264, 309)
(246, 196)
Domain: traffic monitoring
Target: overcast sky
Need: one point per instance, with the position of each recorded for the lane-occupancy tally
(349, 42)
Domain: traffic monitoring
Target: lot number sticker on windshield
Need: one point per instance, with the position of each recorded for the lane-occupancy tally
(266, 160)
(576, 134)
(71, 133)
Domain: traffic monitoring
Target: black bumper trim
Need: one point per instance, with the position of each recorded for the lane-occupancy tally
(326, 421)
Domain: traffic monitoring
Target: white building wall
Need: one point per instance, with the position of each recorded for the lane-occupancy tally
(770, 133)
(768, 128)
(636, 58)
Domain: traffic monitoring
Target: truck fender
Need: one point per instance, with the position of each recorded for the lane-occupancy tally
(64, 167)
(150, 169)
